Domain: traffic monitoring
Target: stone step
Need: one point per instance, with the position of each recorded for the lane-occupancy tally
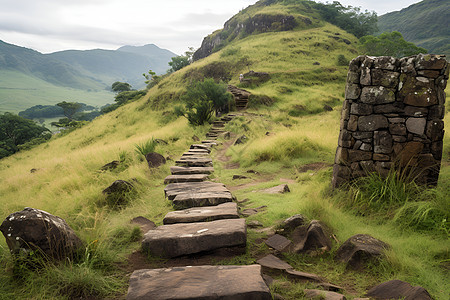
(199, 282)
(199, 199)
(203, 214)
(175, 170)
(201, 146)
(199, 150)
(212, 142)
(195, 162)
(189, 238)
(185, 178)
(174, 189)
(196, 156)
(189, 153)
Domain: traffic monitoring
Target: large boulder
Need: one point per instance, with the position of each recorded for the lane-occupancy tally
(359, 250)
(36, 230)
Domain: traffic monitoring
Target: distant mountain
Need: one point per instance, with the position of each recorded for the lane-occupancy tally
(426, 24)
(30, 77)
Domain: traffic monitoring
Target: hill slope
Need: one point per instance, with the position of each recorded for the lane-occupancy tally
(426, 24)
(288, 137)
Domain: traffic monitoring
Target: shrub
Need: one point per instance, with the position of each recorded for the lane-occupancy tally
(342, 61)
(146, 147)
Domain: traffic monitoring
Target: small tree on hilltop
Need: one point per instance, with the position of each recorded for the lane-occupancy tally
(201, 100)
(181, 61)
(120, 87)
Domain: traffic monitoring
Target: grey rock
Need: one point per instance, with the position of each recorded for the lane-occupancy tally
(176, 170)
(155, 160)
(416, 125)
(311, 237)
(279, 189)
(198, 199)
(377, 95)
(188, 238)
(382, 142)
(352, 91)
(174, 189)
(397, 289)
(199, 282)
(203, 214)
(185, 178)
(278, 242)
(372, 123)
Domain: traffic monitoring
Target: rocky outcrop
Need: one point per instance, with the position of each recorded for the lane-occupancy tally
(36, 230)
(392, 117)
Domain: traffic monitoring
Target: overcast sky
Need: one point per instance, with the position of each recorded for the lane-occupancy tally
(54, 25)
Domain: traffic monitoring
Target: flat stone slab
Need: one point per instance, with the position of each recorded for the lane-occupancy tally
(195, 162)
(278, 242)
(200, 154)
(177, 170)
(271, 262)
(188, 238)
(199, 199)
(200, 282)
(279, 189)
(203, 214)
(200, 146)
(174, 189)
(185, 178)
(199, 150)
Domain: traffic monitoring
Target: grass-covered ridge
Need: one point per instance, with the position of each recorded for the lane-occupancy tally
(293, 140)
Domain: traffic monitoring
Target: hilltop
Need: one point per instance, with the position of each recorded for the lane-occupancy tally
(425, 24)
(291, 135)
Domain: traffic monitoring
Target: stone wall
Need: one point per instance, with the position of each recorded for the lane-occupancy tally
(392, 117)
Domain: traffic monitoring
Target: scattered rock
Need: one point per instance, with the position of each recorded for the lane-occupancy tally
(36, 230)
(254, 224)
(397, 289)
(199, 282)
(278, 242)
(34, 170)
(253, 172)
(360, 249)
(291, 223)
(324, 295)
(279, 189)
(116, 193)
(144, 223)
(239, 177)
(155, 160)
(327, 108)
(316, 63)
(240, 140)
(311, 237)
(272, 264)
(302, 276)
(109, 166)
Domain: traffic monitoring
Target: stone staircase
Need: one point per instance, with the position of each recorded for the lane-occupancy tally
(205, 219)
(240, 97)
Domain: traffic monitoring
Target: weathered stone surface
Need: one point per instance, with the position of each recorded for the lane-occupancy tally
(353, 77)
(393, 108)
(352, 124)
(361, 109)
(240, 140)
(359, 250)
(311, 237)
(352, 91)
(185, 178)
(236, 176)
(397, 289)
(377, 95)
(435, 130)
(382, 141)
(199, 282)
(293, 222)
(325, 295)
(303, 276)
(397, 129)
(358, 155)
(193, 199)
(203, 214)
(430, 62)
(196, 150)
(278, 242)
(385, 78)
(188, 238)
(197, 154)
(176, 170)
(195, 162)
(109, 166)
(341, 156)
(386, 63)
(144, 223)
(279, 189)
(36, 230)
(417, 91)
(116, 193)
(154, 159)
(416, 125)
(270, 263)
(174, 189)
(372, 123)
(365, 78)
(201, 147)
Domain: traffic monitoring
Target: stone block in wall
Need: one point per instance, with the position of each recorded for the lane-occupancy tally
(372, 122)
(392, 117)
(377, 95)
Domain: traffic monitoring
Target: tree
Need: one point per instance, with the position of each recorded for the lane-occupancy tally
(151, 79)
(181, 61)
(15, 131)
(70, 108)
(389, 43)
(120, 87)
(202, 99)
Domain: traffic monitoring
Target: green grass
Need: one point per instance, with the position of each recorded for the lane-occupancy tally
(15, 98)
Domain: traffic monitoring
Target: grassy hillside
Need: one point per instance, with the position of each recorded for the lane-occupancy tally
(19, 91)
(426, 24)
(293, 140)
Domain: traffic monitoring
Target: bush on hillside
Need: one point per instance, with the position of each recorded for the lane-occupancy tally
(202, 99)
(390, 44)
